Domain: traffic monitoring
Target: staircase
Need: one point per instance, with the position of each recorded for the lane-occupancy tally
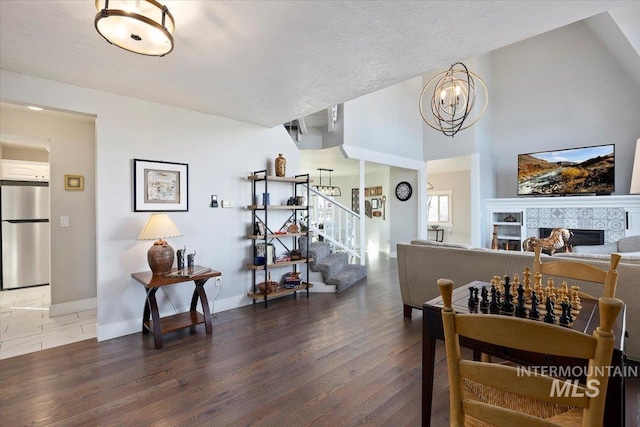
(334, 267)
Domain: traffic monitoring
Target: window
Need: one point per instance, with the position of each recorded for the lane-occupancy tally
(439, 208)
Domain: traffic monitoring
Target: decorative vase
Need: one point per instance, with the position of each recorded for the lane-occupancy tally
(160, 257)
(281, 165)
(494, 242)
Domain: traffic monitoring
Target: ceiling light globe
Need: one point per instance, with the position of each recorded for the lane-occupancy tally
(146, 30)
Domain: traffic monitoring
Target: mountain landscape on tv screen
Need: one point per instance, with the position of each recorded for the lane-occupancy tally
(537, 176)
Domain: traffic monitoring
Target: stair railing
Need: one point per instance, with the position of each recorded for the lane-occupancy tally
(336, 224)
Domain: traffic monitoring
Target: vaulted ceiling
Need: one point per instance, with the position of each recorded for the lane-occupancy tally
(269, 62)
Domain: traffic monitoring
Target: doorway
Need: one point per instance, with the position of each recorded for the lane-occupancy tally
(72, 289)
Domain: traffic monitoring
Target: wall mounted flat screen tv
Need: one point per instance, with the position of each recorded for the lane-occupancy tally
(585, 170)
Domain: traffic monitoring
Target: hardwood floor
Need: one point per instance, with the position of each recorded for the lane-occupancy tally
(330, 360)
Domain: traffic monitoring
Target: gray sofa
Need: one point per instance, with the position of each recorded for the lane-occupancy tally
(628, 247)
(422, 263)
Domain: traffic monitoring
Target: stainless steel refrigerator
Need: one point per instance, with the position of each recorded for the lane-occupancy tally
(25, 234)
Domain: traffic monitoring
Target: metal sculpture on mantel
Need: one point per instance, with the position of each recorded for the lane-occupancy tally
(454, 96)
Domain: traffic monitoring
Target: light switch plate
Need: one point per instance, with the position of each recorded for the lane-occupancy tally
(228, 203)
(64, 221)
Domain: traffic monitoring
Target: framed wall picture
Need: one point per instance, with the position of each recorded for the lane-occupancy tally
(160, 186)
(355, 200)
(74, 182)
(375, 204)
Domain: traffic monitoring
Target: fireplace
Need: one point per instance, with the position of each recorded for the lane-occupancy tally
(580, 237)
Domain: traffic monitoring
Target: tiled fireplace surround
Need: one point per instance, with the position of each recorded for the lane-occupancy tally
(618, 216)
(611, 220)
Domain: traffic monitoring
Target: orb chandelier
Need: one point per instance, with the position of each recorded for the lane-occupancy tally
(454, 96)
(140, 26)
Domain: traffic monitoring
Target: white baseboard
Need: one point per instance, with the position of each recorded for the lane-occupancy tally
(228, 303)
(72, 307)
(115, 330)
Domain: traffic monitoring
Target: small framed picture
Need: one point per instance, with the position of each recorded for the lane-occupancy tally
(74, 182)
(375, 204)
(355, 200)
(260, 228)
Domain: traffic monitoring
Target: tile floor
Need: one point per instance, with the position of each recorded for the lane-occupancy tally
(25, 325)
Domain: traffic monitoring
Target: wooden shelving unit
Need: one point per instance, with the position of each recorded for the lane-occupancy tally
(279, 264)
(509, 233)
(265, 214)
(282, 292)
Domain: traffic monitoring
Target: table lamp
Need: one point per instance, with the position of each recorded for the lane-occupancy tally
(160, 255)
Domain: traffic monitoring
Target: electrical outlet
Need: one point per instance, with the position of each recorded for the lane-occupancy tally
(228, 203)
(218, 282)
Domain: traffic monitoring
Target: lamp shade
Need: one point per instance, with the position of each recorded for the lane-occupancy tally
(140, 26)
(635, 175)
(159, 226)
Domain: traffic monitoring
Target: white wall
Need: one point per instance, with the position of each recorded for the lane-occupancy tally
(385, 127)
(559, 90)
(127, 128)
(386, 121)
(19, 153)
(459, 185)
(403, 216)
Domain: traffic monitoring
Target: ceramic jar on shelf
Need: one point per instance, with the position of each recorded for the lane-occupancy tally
(281, 165)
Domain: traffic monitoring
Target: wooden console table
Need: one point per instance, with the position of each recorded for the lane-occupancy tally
(586, 322)
(151, 321)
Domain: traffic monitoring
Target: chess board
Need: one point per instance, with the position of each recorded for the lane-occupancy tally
(528, 299)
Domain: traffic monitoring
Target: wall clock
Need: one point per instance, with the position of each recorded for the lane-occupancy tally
(403, 191)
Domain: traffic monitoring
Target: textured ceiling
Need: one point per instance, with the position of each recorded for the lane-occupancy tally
(269, 62)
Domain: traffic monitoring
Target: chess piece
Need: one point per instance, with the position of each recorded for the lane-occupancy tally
(180, 257)
(475, 295)
(493, 306)
(551, 289)
(191, 260)
(484, 304)
(507, 305)
(515, 285)
(527, 282)
(550, 316)
(564, 289)
(471, 302)
(575, 299)
(521, 310)
(564, 319)
(569, 310)
(534, 313)
(537, 282)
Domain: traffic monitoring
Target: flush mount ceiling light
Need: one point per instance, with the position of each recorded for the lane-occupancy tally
(140, 26)
(454, 96)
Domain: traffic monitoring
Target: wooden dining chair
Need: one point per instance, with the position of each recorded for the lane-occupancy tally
(581, 407)
(580, 271)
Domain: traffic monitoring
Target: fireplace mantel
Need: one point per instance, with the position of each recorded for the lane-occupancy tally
(628, 201)
(618, 216)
